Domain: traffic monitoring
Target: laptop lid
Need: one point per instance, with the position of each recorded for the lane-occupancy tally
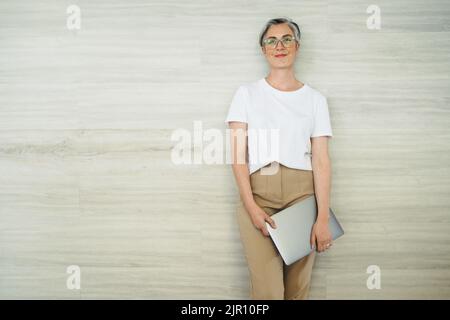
(294, 225)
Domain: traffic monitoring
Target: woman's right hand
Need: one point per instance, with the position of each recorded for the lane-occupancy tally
(259, 218)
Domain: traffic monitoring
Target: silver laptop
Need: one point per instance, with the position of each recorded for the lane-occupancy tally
(294, 225)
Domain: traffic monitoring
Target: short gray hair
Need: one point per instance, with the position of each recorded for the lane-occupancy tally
(291, 24)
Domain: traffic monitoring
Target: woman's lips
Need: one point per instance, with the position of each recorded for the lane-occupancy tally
(280, 55)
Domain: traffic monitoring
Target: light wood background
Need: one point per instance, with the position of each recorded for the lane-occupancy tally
(86, 118)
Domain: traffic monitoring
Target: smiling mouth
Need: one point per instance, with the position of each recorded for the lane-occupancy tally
(280, 55)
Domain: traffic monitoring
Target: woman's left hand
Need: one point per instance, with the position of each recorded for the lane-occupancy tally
(321, 234)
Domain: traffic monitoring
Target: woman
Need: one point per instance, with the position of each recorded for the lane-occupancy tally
(300, 168)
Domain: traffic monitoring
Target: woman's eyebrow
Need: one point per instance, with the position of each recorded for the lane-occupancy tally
(287, 34)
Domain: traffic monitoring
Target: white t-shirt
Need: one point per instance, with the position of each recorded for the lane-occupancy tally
(298, 115)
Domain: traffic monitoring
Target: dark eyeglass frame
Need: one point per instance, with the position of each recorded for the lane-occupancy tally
(278, 40)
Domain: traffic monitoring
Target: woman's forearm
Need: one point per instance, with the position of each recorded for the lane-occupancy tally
(242, 177)
(322, 186)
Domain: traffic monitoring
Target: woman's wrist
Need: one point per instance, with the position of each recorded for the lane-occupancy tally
(251, 206)
(322, 217)
(250, 203)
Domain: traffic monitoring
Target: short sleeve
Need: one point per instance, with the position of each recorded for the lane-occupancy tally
(238, 108)
(322, 124)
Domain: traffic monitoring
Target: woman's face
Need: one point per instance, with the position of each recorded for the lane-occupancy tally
(280, 56)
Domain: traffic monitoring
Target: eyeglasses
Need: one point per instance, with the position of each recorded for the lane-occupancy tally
(272, 42)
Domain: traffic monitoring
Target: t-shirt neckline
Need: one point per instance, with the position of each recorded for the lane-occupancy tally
(269, 86)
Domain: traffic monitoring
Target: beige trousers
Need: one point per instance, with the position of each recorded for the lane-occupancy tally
(270, 277)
